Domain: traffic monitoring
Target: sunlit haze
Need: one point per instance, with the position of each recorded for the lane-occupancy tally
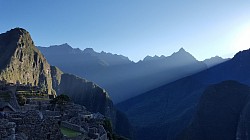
(135, 28)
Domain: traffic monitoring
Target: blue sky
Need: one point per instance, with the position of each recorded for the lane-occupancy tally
(134, 28)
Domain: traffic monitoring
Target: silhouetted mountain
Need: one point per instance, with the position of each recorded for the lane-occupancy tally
(22, 62)
(65, 56)
(162, 113)
(218, 113)
(116, 72)
(214, 61)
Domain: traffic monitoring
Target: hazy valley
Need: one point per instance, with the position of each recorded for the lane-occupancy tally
(165, 96)
(115, 72)
(124, 70)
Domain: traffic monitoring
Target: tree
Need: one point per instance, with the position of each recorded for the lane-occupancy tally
(21, 99)
(61, 101)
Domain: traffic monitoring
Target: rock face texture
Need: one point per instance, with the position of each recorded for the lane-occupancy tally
(87, 93)
(218, 112)
(21, 61)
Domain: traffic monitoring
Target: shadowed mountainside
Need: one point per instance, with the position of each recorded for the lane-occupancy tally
(218, 112)
(213, 61)
(114, 72)
(165, 111)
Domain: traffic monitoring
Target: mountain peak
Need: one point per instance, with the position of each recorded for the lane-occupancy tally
(22, 61)
(64, 46)
(17, 31)
(182, 50)
(89, 50)
(15, 35)
(13, 40)
(184, 55)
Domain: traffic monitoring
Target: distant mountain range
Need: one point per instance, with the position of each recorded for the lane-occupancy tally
(213, 61)
(121, 77)
(164, 112)
(21, 62)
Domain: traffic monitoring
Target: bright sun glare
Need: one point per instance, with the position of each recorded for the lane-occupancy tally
(242, 39)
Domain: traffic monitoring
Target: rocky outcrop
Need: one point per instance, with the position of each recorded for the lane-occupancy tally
(218, 112)
(86, 93)
(93, 97)
(21, 61)
(56, 74)
(82, 92)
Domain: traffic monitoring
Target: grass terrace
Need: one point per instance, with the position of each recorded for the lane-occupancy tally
(69, 132)
(34, 95)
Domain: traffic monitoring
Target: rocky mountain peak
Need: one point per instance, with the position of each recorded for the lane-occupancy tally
(182, 50)
(17, 32)
(183, 57)
(21, 61)
(14, 38)
(64, 46)
(89, 50)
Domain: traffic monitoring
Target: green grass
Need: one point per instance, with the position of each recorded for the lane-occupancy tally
(33, 95)
(69, 132)
(41, 99)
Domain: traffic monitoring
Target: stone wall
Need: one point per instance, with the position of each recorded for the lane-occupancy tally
(72, 126)
(7, 129)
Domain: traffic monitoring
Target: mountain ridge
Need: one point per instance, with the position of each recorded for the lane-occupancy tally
(210, 62)
(142, 76)
(182, 99)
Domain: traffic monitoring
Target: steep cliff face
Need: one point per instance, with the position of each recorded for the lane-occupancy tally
(85, 92)
(56, 74)
(82, 92)
(93, 97)
(243, 129)
(218, 112)
(21, 61)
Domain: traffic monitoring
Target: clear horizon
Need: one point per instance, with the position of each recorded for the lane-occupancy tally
(135, 28)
